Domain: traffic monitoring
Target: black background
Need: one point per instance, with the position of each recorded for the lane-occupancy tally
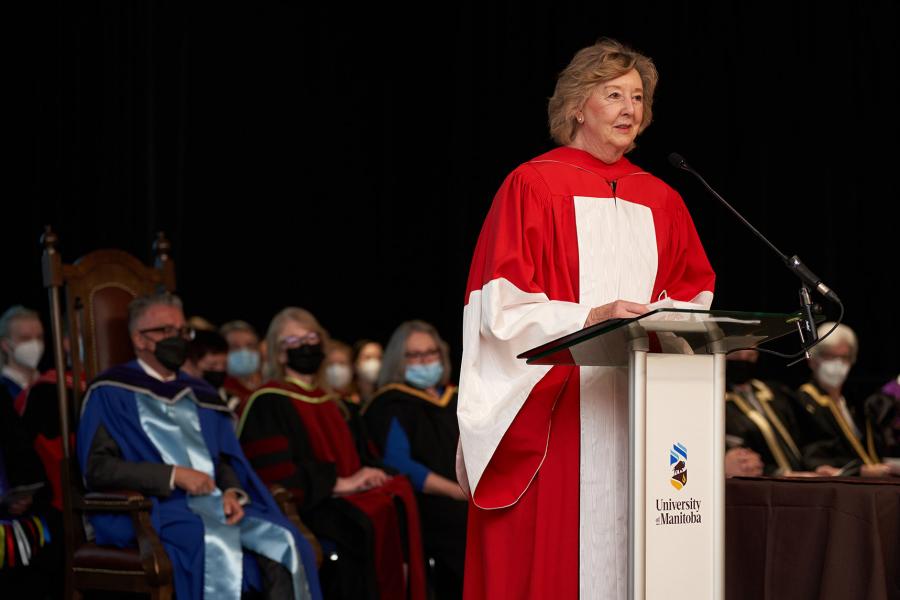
(342, 158)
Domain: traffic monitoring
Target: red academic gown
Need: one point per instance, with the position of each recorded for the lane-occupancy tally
(544, 449)
(306, 460)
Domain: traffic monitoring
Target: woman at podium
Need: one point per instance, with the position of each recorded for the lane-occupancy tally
(574, 237)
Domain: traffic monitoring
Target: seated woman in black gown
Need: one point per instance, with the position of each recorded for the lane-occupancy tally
(412, 419)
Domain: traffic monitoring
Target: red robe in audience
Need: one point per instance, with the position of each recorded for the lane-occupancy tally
(39, 406)
(296, 436)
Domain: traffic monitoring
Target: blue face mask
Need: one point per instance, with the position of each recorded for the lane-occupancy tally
(243, 362)
(424, 376)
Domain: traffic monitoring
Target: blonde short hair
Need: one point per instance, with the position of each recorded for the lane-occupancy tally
(591, 66)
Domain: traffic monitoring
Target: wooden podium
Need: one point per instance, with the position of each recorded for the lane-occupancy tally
(675, 360)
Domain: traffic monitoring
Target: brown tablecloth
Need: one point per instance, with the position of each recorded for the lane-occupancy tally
(822, 539)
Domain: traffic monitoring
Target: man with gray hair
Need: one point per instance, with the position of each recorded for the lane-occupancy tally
(149, 427)
(21, 348)
(842, 436)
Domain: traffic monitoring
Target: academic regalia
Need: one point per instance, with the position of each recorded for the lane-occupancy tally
(184, 422)
(417, 433)
(39, 406)
(883, 409)
(11, 383)
(296, 436)
(546, 448)
(833, 440)
(234, 387)
(30, 547)
(762, 416)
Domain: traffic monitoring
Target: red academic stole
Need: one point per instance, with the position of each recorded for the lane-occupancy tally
(49, 450)
(332, 441)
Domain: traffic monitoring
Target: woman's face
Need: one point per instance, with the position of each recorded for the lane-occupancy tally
(421, 349)
(369, 351)
(294, 335)
(338, 356)
(240, 339)
(612, 115)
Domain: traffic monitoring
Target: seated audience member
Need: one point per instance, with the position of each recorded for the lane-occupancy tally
(30, 530)
(367, 356)
(338, 367)
(883, 409)
(296, 436)
(21, 348)
(38, 404)
(145, 426)
(761, 415)
(412, 419)
(244, 360)
(207, 358)
(338, 381)
(840, 434)
(40, 421)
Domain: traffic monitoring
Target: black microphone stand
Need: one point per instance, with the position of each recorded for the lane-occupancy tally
(806, 326)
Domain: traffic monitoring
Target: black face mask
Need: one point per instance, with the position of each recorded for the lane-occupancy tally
(171, 352)
(215, 378)
(306, 359)
(739, 371)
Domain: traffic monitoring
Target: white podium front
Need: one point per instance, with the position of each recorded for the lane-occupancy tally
(676, 373)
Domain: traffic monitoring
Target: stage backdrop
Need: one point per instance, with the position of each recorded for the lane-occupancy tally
(315, 155)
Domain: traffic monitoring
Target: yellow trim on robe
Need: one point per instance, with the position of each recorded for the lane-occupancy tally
(826, 401)
(765, 397)
(764, 428)
(40, 529)
(441, 402)
(274, 390)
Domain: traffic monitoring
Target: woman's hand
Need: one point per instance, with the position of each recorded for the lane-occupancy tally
(364, 479)
(620, 309)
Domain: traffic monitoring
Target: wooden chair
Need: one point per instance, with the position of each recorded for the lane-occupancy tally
(95, 292)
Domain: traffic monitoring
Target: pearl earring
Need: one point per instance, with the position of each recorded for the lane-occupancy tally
(580, 118)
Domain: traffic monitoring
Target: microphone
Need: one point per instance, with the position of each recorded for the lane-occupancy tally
(793, 263)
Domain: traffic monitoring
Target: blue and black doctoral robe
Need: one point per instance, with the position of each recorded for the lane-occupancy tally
(183, 422)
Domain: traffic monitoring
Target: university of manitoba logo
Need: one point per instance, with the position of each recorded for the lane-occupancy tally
(678, 464)
(678, 510)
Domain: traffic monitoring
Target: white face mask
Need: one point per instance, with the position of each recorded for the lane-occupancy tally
(368, 369)
(338, 375)
(29, 353)
(832, 373)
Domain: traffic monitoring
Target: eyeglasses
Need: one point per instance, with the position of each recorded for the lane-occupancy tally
(422, 356)
(168, 331)
(295, 341)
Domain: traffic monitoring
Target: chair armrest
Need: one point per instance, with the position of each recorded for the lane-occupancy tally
(285, 500)
(119, 501)
(153, 556)
(154, 559)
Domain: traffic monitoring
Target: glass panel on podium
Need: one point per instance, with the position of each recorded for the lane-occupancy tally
(670, 330)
